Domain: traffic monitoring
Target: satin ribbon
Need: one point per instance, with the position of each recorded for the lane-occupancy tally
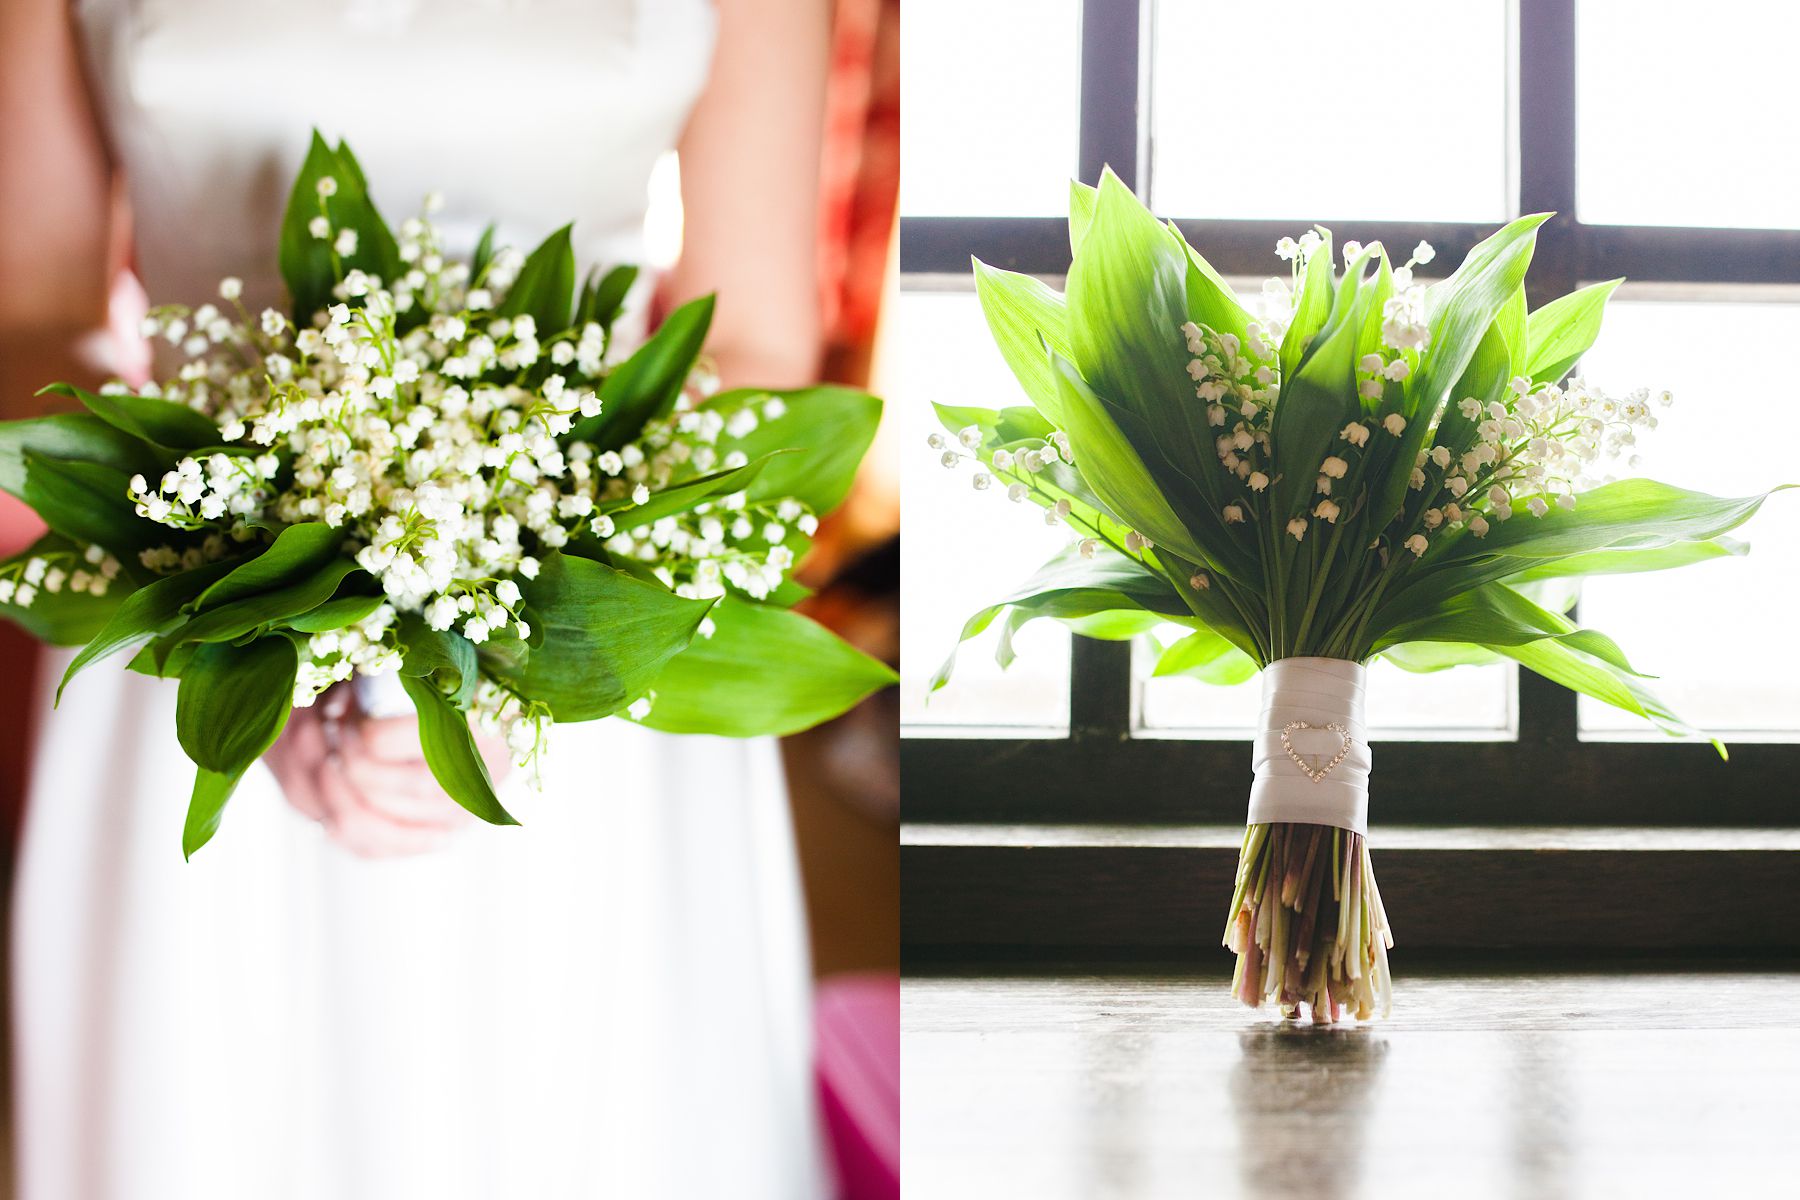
(1315, 692)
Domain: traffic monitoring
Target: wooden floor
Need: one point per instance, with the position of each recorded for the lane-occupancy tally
(1528, 1084)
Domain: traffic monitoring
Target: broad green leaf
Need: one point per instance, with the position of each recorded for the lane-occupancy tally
(206, 807)
(606, 637)
(147, 418)
(646, 385)
(1422, 658)
(484, 254)
(336, 614)
(234, 701)
(684, 497)
(1011, 424)
(1567, 665)
(1318, 400)
(545, 288)
(1111, 466)
(306, 261)
(261, 611)
(71, 437)
(763, 671)
(1210, 300)
(444, 655)
(1459, 312)
(834, 426)
(149, 612)
(1312, 305)
(1208, 657)
(1496, 616)
(1024, 315)
(1514, 324)
(1069, 586)
(1561, 331)
(1082, 199)
(451, 754)
(297, 552)
(1111, 625)
(1631, 514)
(1127, 300)
(609, 295)
(87, 502)
(1632, 562)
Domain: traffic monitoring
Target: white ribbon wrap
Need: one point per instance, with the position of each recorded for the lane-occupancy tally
(1301, 697)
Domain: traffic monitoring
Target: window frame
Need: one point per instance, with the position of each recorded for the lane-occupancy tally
(1103, 770)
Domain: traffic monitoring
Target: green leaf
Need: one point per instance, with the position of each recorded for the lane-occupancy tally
(1206, 656)
(545, 288)
(443, 655)
(1108, 462)
(684, 497)
(1632, 562)
(148, 418)
(206, 807)
(609, 295)
(1012, 424)
(1024, 315)
(1311, 307)
(1422, 658)
(646, 385)
(297, 552)
(451, 754)
(763, 671)
(150, 611)
(1579, 672)
(1210, 300)
(336, 614)
(1514, 327)
(834, 426)
(1069, 586)
(71, 437)
(305, 260)
(1496, 617)
(1318, 400)
(1082, 199)
(1561, 331)
(87, 503)
(261, 611)
(484, 254)
(606, 637)
(234, 701)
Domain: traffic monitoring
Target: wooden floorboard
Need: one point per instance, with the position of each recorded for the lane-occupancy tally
(1543, 1084)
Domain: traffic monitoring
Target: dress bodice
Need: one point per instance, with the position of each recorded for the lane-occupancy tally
(528, 112)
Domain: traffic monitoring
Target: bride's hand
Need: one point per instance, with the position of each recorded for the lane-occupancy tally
(365, 780)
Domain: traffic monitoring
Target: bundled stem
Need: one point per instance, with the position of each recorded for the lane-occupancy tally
(1307, 924)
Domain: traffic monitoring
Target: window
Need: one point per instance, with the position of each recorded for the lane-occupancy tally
(1527, 106)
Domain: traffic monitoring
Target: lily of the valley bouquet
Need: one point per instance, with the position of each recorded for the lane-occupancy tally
(1371, 468)
(442, 469)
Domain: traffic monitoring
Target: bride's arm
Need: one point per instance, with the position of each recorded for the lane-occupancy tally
(749, 188)
(363, 779)
(55, 200)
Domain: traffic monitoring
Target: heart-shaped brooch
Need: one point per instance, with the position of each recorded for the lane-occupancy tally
(1288, 745)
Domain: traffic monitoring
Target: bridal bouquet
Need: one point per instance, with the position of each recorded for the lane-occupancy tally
(1372, 467)
(444, 469)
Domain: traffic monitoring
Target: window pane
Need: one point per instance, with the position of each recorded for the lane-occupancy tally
(990, 107)
(1463, 703)
(1307, 112)
(964, 550)
(1687, 121)
(1719, 635)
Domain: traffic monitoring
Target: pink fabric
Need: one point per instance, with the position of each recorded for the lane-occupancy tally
(858, 1036)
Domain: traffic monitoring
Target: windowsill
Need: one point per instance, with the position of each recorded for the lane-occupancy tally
(1050, 890)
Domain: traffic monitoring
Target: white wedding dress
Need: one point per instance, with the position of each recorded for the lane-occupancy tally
(611, 1000)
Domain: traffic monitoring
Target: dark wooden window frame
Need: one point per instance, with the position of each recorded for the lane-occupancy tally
(1547, 776)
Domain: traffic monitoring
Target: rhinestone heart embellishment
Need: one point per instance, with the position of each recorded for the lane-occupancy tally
(1288, 745)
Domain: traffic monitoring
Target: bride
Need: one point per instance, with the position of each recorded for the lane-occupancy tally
(347, 995)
